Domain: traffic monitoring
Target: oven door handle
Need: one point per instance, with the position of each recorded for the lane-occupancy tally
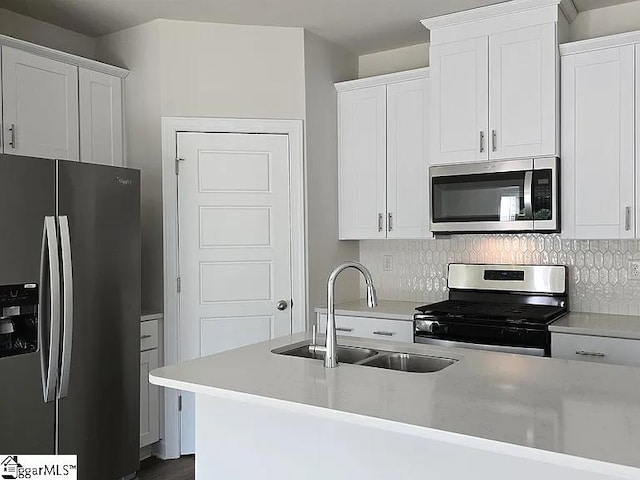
(532, 351)
(528, 195)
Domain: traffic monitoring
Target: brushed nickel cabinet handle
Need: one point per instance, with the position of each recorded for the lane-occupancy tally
(494, 140)
(390, 221)
(343, 329)
(627, 218)
(380, 220)
(144, 337)
(386, 334)
(481, 141)
(12, 131)
(585, 353)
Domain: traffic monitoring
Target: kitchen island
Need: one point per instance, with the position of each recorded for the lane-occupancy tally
(488, 415)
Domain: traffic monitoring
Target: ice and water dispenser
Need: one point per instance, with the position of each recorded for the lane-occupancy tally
(19, 320)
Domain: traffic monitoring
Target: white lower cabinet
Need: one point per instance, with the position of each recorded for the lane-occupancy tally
(616, 351)
(365, 327)
(149, 394)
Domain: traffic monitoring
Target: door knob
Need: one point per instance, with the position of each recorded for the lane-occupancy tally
(282, 305)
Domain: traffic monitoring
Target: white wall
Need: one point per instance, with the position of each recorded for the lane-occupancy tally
(138, 49)
(36, 31)
(606, 21)
(396, 60)
(325, 64)
(197, 69)
(218, 70)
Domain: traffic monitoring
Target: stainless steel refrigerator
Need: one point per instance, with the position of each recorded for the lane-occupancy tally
(70, 324)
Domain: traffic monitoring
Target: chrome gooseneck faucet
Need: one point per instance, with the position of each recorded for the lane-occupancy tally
(330, 348)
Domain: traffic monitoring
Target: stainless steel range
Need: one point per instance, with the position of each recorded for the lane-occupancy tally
(506, 308)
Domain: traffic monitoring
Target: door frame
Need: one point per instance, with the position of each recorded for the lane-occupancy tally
(169, 446)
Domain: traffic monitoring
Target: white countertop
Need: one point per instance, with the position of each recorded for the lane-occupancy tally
(598, 324)
(567, 407)
(387, 309)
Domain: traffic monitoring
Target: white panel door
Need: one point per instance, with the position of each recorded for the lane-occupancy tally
(598, 144)
(234, 245)
(460, 101)
(522, 94)
(149, 400)
(362, 166)
(40, 106)
(407, 159)
(100, 118)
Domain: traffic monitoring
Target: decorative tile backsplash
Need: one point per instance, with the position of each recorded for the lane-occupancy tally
(598, 269)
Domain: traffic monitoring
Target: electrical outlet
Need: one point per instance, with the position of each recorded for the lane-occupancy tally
(634, 269)
(387, 263)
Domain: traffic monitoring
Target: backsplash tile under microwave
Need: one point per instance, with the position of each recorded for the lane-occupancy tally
(598, 269)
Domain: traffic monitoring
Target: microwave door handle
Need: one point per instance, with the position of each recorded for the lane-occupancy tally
(528, 195)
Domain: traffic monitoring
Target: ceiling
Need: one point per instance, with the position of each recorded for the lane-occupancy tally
(362, 26)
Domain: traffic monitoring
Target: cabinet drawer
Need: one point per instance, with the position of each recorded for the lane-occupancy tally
(148, 335)
(617, 351)
(396, 330)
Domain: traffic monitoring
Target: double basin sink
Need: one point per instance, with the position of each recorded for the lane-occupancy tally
(404, 362)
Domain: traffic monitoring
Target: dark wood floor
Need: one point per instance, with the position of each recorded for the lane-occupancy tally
(155, 469)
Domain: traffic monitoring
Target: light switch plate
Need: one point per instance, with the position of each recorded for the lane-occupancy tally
(387, 263)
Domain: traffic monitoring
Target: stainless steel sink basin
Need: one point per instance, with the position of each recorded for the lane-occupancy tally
(345, 354)
(408, 362)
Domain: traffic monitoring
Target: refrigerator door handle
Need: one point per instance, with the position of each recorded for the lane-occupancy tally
(49, 283)
(67, 305)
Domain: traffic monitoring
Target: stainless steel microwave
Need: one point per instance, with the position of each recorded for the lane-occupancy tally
(503, 196)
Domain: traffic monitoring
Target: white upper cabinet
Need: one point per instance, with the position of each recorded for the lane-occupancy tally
(407, 165)
(494, 82)
(100, 118)
(362, 167)
(460, 108)
(522, 92)
(598, 142)
(40, 106)
(383, 156)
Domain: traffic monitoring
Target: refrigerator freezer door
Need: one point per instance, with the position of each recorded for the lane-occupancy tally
(98, 419)
(27, 195)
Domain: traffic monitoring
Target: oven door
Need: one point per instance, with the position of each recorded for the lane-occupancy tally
(505, 196)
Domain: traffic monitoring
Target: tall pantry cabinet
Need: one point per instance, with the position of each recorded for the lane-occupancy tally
(60, 106)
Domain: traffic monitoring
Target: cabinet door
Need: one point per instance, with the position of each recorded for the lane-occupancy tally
(149, 400)
(523, 106)
(40, 106)
(598, 144)
(362, 167)
(100, 118)
(407, 159)
(366, 327)
(460, 101)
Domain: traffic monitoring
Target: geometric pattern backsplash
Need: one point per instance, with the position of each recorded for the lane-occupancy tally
(598, 269)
